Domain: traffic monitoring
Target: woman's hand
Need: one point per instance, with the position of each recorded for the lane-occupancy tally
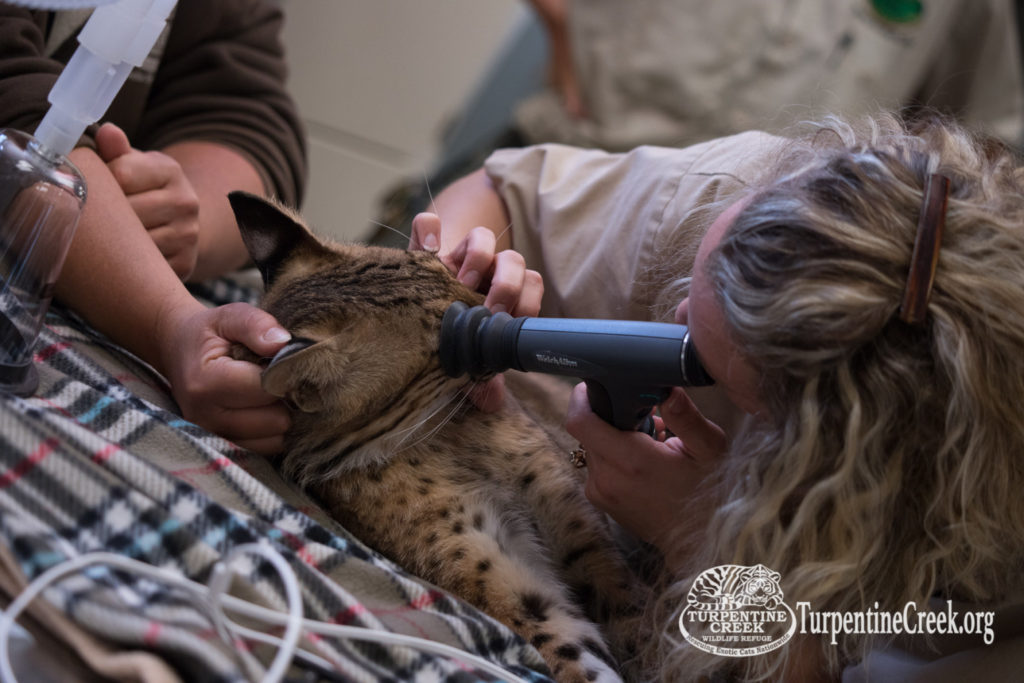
(213, 389)
(510, 286)
(644, 483)
(159, 193)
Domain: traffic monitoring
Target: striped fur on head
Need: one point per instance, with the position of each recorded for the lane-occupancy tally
(371, 316)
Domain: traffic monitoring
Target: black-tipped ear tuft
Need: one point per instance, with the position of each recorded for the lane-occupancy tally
(270, 233)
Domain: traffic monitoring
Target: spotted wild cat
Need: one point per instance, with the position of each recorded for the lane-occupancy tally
(482, 505)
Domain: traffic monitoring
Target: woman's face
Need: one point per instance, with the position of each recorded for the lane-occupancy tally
(702, 314)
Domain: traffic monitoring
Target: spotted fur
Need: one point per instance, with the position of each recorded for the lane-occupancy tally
(482, 505)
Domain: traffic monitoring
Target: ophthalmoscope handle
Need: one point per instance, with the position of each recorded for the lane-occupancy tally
(628, 366)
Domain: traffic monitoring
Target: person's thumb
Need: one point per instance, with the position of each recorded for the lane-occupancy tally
(111, 142)
(252, 327)
(704, 440)
(426, 232)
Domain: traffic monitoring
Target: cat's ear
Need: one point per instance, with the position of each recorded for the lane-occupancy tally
(302, 371)
(270, 233)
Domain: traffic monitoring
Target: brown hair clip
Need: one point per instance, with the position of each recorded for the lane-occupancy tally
(925, 258)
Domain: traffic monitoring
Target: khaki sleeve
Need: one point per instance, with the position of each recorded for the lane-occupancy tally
(592, 223)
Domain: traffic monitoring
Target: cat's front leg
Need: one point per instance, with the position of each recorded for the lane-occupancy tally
(471, 542)
(496, 563)
(583, 548)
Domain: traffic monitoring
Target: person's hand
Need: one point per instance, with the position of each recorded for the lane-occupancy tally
(554, 14)
(644, 483)
(510, 286)
(159, 193)
(216, 391)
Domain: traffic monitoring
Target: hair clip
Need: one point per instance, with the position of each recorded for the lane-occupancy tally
(925, 257)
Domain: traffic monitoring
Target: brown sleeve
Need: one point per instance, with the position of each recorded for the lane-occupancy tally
(222, 79)
(26, 75)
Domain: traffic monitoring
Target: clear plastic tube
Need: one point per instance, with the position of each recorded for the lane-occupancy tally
(116, 38)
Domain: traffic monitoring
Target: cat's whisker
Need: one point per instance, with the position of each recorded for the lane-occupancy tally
(462, 396)
(456, 406)
(436, 406)
(405, 433)
(388, 227)
(500, 234)
(432, 205)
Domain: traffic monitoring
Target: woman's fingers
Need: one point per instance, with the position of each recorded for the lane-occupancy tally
(702, 439)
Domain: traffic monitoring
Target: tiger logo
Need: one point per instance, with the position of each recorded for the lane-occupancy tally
(737, 611)
(734, 586)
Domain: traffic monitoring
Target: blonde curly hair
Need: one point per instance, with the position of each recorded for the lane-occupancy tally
(888, 465)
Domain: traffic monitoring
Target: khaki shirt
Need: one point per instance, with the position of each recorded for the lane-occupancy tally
(675, 72)
(595, 224)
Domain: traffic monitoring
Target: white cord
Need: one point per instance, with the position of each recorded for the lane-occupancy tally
(385, 637)
(214, 595)
(293, 595)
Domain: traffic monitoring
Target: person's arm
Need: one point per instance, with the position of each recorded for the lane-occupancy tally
(219, 107)
(120, 283)
(554, 14)
(222, 80)
(215, 170)
(180, 195)
(586, 220)
(117, 279)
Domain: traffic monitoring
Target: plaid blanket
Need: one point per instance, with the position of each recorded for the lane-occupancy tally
(98, 459)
